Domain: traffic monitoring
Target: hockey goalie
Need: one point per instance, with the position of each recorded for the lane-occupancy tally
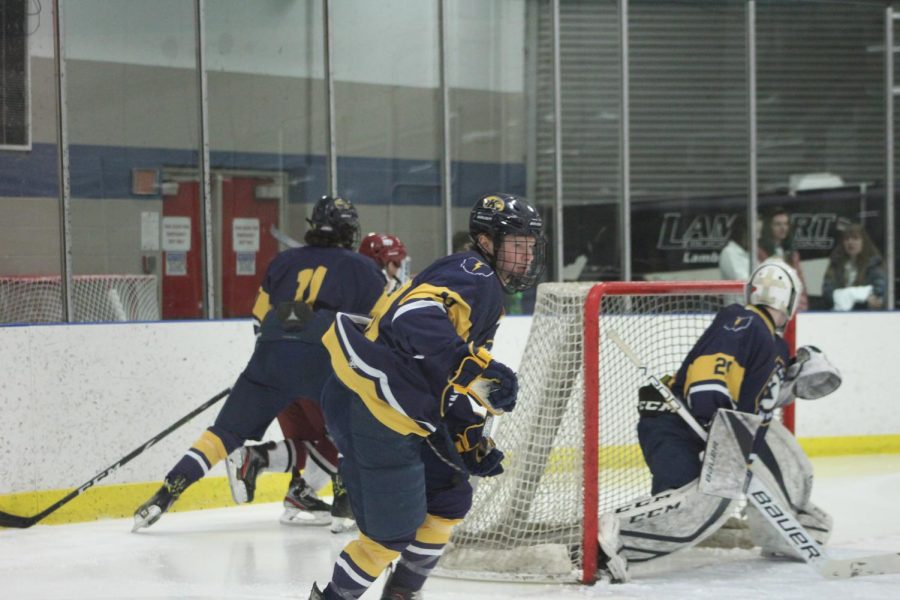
(736, 374)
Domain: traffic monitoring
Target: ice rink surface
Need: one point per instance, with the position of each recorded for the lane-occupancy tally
(243, 552)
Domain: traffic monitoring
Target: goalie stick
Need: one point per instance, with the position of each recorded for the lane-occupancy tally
(284, 238)
(782, 521)
(20, 522)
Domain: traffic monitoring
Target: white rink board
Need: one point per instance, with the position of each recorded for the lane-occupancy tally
(75, 398)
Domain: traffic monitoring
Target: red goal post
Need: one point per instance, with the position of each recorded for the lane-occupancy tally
(592, 345)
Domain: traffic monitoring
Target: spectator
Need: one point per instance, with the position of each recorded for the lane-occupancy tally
(776, 239)
(855, 279)
(734, 259)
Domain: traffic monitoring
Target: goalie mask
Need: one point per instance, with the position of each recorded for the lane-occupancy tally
(518, 250)
(334, 222)
(775, 284)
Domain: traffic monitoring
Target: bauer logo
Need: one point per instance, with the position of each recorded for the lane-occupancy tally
(793, 532)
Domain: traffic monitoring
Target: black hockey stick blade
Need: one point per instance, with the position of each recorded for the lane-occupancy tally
(20, 522)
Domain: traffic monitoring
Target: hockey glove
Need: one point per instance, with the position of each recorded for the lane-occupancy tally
(485, 459)
(811, 375)
(650, 402)
(479, 453)
(490, 383)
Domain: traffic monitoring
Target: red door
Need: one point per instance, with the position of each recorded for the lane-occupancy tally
(247, 245)
(182, 275)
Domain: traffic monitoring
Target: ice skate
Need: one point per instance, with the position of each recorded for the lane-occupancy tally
(243, 466)
(303, 507)
(341, 513)
(392, 591)
(150, 511)
(315, 593)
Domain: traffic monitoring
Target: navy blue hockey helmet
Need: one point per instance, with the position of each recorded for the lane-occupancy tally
(497, 216)
(334, 222)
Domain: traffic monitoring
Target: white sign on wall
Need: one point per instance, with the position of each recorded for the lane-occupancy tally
(176, 234)
(149, 231)
(176, 264)
(245, 263)
(245, 235)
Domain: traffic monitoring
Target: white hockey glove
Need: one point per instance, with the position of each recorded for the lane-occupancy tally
(811, 376)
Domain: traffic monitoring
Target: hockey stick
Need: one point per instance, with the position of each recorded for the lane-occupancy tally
(284, 238)
(19, 522)
(782, 521)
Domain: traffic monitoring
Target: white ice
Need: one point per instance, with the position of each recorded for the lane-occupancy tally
(243, 552)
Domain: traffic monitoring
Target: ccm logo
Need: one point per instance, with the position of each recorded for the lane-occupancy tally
(653, 513)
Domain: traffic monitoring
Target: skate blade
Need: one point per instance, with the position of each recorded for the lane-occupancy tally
(293, 516)
(146, 518)
(342, 524)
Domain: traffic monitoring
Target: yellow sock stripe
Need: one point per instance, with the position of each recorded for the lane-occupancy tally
(436, 530)
(211, 447)
(369, 555)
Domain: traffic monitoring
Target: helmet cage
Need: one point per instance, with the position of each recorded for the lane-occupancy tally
(502, 215)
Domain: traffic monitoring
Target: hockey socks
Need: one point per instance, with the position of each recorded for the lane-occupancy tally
(209, 449)
(422, 555)
(357, 567)
(282, 456)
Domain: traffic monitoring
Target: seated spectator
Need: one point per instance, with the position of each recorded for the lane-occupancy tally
(855, 279)
(776, 239)
(734, 259)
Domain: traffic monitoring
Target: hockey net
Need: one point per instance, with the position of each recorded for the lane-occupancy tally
(538, 520)
(97, 298)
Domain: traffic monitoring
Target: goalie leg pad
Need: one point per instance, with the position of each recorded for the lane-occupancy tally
(730, 441)
(656, 526)
(784, 467)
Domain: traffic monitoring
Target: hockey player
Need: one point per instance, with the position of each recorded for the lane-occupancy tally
(740, 363)
(410, 394)
(389, 252)
(300, 294)
(303, 425)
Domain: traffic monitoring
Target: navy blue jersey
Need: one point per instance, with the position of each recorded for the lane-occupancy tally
(400, 365)
(738, 361)
(329, 278)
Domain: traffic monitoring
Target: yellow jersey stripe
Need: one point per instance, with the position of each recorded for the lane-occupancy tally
(262, 305)
(718, 367)
(458, 309)
(366, 389)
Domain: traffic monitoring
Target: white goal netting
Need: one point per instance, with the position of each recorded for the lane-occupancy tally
(529, 523)
(97, 298)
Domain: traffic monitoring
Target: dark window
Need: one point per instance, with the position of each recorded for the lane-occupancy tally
(13, 74)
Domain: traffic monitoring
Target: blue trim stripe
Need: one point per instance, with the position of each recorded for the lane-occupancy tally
(105, 172)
